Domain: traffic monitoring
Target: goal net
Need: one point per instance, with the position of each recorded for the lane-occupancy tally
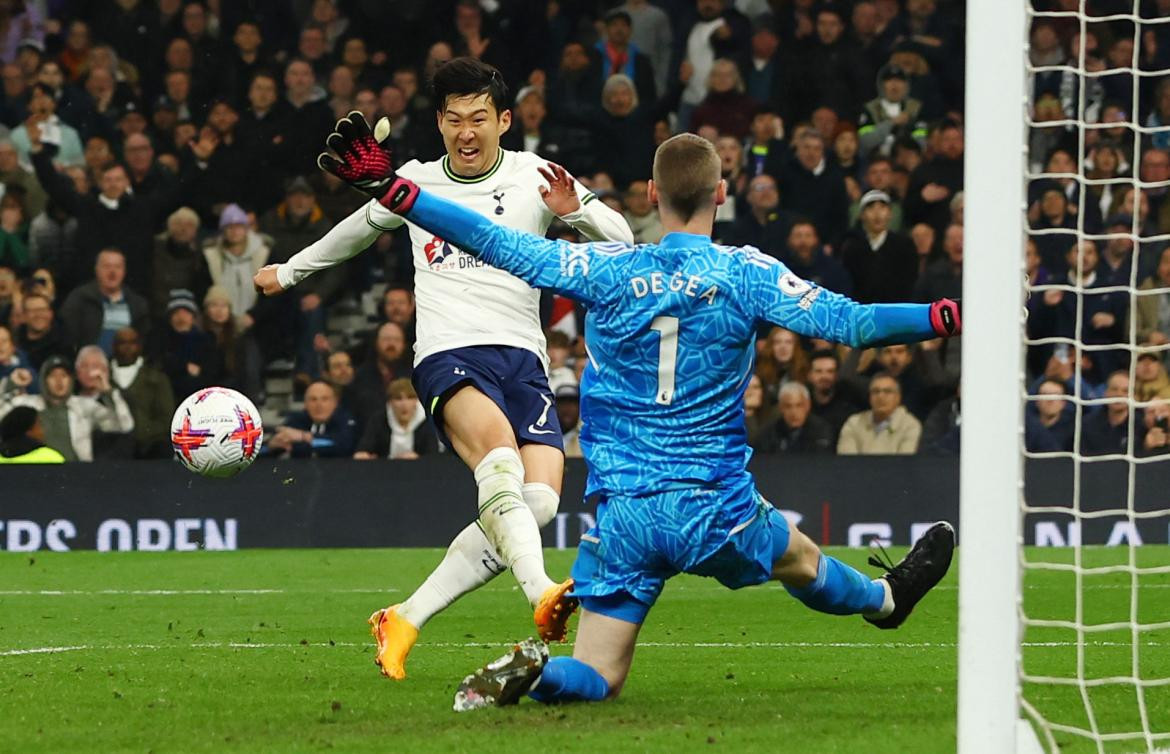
(1091, 430)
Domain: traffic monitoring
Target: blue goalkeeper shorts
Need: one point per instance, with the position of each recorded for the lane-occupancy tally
(729, 533)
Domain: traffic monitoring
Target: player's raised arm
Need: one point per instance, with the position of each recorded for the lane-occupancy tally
(587, 272)
(580, 208)
(772, 293)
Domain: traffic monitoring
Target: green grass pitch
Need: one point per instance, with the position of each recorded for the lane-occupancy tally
(268, 651)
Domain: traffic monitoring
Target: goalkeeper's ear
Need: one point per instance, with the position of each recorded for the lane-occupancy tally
(382, 129)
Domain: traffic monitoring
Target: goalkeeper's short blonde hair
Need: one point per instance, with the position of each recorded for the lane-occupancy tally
(686, 174)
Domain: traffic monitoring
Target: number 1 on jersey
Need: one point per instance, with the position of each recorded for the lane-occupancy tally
(667, 328)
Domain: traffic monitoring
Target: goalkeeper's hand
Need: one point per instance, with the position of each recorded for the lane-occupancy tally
(363, 161)
(946, 317)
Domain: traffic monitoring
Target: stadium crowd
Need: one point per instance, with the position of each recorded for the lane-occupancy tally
(155, 153)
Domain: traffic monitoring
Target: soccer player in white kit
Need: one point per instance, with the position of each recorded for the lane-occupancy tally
(480, 362)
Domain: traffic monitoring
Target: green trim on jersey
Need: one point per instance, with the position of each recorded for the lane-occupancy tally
(475, 178)
(588, 198)
(374, 225)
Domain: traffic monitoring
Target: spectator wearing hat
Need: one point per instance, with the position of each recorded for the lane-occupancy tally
(178, 261)
(617, 54)
(813, 187)
(49, 128)
(891, 116)
(322, 430)
(935, 181)
(69, 420)
(93, 312)
(882, 263)
(233, 257)
(568, 398)
(188, 354)
(292, 225)
(147, 392)
(400, 431)
(22, 438)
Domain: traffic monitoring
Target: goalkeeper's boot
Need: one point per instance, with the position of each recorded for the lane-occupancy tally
(395, 637)
(503, 681)
(553, 611)
(917, 573)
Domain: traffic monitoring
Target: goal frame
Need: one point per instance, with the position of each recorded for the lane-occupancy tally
(991, 464)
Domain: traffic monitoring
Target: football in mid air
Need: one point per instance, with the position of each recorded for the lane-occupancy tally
(216, 432)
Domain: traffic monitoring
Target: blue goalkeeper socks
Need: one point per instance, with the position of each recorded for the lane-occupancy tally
(565, 679)
(841, 590)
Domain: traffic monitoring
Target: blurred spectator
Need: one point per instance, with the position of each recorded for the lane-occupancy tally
(797, 430)
(783, 360)
(765, 225)
(882, 263)
(891, 116)
(339, 373)
(832, 70)
(148, 394)
(244, 61)
(942, 428)
(14, 176)
(1153, 307)
(401, 431)
(806, 258)
(935, 181)
(831, 399)
(569, 414)
(178, 261)
(187, 353)
(1150, 380)
(69, 420)
(147, 176)
(918, 375)
(1055, 224)
(13, 231)
(12, 359)
(233, 258)
(615, 53)
(725, 107)
(40, 336)
(341, 89)
(1050, 420)
(243, 365)
(43, 125)
(652, 34)
(886, 429)
(559, 347)
(766, 150)
(759, 413)
(641, 215)
(387, 361)
(93, 312)
(22, 438)
(719, 31)
(766, 68)
(812, 187)
(1155, 429)
(1107, 431)
(879, 176)
(310, 118)
(473, 38)
(322, 430)
(263, 133)
(9, 294)
(944, 277)
(398, 306)
(624, 131)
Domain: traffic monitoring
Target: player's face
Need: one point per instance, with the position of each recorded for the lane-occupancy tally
(471, 128)
(794, 409)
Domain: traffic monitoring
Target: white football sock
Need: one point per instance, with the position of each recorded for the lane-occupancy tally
(507, 521)
(471, 561)
(887, 606)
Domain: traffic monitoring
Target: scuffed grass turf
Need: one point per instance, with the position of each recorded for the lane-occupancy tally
(268, 651)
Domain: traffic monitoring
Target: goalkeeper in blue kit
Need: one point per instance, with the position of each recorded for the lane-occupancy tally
(670, 338)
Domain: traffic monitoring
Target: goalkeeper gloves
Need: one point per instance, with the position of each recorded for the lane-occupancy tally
(364, 162)
(946, 317)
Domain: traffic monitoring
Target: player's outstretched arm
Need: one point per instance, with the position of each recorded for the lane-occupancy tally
(774, 294)
(586, 272)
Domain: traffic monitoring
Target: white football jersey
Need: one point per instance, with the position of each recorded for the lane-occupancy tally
(460, 300)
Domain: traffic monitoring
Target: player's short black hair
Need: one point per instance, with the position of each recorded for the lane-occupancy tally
(464, 77)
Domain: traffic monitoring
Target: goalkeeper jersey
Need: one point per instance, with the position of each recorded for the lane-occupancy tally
(670, 337)
(460, 300)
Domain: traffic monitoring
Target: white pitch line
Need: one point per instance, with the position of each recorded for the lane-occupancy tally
(482, 644)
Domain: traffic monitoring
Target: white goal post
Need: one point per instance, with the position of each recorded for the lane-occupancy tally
(990, 466)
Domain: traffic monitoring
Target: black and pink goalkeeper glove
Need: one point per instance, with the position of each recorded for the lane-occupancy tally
(946, 317)
(364, 163)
